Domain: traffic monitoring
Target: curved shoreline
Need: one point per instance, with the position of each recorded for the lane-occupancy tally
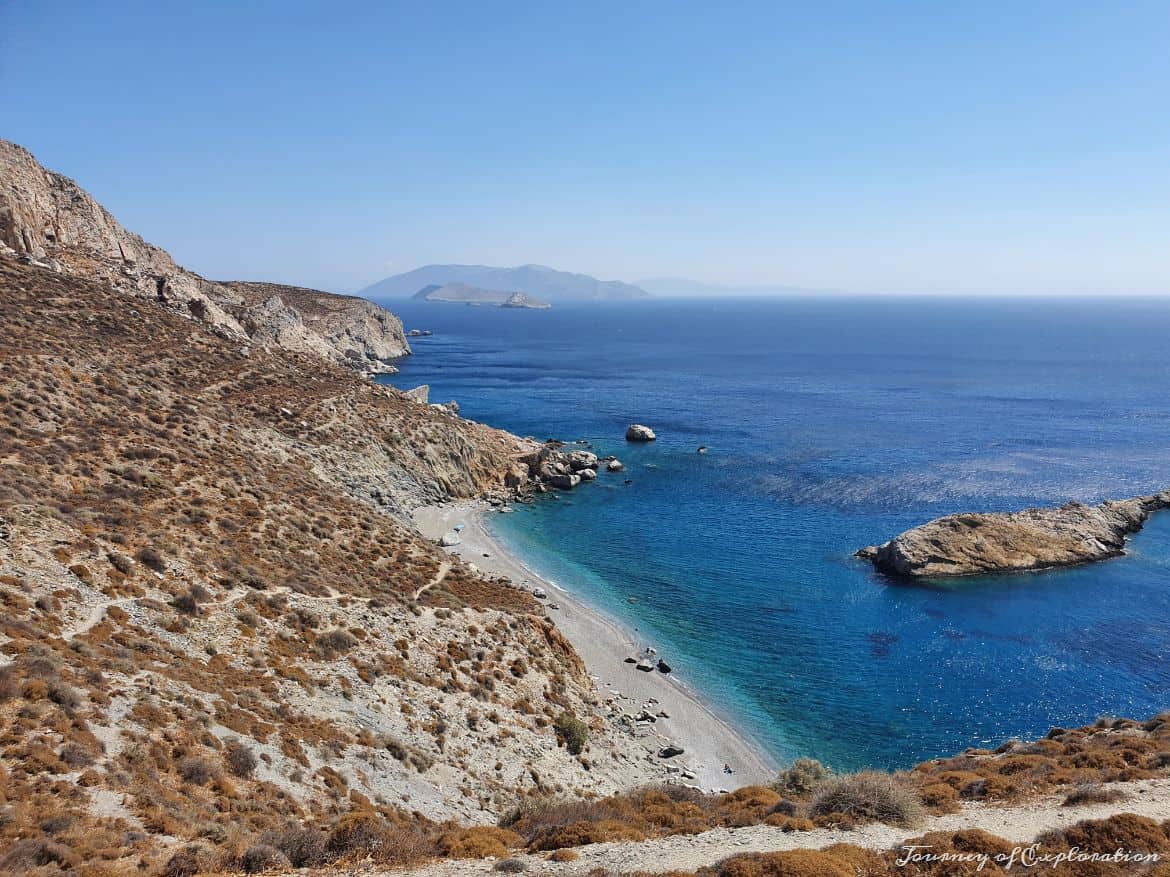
(709, 739)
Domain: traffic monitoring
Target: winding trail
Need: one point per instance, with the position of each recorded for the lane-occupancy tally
(444, 568)
(1019, 823)
(94, 618)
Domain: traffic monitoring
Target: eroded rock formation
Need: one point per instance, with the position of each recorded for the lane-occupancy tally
(1032, 539)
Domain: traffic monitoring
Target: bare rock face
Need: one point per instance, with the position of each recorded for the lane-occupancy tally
(345, 328)
(1032, 539)
(47, 219)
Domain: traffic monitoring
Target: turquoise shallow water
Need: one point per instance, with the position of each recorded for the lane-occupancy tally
(834, 424)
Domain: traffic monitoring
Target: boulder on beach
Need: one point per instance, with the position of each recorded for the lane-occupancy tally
(636, 432)
(663, 667)
(670, 751)
(539, 593)
(449, 540)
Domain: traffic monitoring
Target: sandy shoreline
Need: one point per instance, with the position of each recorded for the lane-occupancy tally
(709, 740)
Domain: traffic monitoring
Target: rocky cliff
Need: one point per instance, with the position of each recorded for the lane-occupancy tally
(1032, 539)
(343, 327)
(48, 219)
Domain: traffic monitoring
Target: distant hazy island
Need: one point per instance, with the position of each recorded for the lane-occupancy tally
(464, 293)
(532, 280)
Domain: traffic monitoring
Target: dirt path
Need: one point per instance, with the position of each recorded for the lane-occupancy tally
(444, 568)
(94, 618)
(1020, 824)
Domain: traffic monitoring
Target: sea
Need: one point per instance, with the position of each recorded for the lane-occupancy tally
(831, 424)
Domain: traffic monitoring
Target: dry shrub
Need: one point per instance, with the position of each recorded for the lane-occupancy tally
(335, 642)
(805, 776)
(302, 845)
(261, 857)
(197, 770)
(580, 834)
(1093, 794)
(184, 863)
(148, 557)
(564, 855)
(479, 842)
(940, 797)
(839, 860)
(359, 832)
(510, 866)
(1125, 831)
(869, 795)
(9, 683)
(241, 761)
(25, 855)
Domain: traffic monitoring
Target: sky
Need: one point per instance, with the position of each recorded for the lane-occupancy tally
(993, 147)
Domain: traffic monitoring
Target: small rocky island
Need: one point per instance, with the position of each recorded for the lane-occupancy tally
(463, 293)
(1032, 539)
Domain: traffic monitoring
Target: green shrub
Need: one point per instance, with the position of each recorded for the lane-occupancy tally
(571, 731)
(804, 776)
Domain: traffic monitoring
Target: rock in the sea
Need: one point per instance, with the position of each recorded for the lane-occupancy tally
(587, 474)
(614, 466)
(1032, 539)
(579, 460)
(564, 480)
(663, 667)
(636, 432)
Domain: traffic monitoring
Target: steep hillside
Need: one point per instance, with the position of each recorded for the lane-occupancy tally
(47, 218)
(214, 622)
(535, 280)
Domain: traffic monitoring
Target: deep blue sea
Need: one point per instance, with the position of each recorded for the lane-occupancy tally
(834, 424)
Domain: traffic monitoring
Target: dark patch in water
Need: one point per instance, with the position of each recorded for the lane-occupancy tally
(880, 642)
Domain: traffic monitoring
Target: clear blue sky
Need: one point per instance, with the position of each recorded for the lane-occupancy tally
(933, 146)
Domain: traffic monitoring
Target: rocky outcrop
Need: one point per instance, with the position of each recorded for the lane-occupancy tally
(1032, 539)
(420, 394)
(636, 432)
(47, 219)
(345, 328)
(579, 460)
(552, 466)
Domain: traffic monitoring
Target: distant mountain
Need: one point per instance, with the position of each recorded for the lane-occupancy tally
(534, 280)
(461, 292)
(683, 287)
